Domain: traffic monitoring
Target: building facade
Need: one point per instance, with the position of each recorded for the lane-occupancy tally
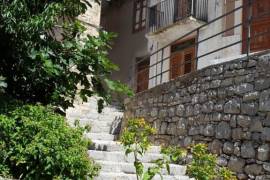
(130, 44)
(183, 36)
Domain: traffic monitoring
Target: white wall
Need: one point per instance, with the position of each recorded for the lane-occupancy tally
(216, 10)
(174, 32)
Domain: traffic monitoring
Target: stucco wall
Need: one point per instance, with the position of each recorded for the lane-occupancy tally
(168, 35)
(127, 46)
(226, 106)
(91, 18)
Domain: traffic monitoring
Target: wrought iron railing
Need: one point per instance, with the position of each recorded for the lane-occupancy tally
(168, 12)
(247, 39)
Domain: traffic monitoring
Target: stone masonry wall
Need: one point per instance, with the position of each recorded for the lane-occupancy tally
(226, 106)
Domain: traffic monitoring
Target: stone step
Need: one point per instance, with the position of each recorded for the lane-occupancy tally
(128, 168)
(102, 145)
(100, 137)
(123, 176)
(100, 129)
(121, 157)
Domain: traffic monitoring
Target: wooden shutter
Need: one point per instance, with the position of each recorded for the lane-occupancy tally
(188, 59)
(259, 26)
(182, 59)
(142, 75)
(176, 65)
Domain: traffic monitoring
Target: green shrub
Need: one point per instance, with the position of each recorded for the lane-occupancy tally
(174, 153)
(38, 144)
(204, 165)
(136, 141)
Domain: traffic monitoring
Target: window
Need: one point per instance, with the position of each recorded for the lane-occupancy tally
(139, 16)
(182, 58)
(229, 21)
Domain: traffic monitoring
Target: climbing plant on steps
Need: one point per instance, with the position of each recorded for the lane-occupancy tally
(136, 140)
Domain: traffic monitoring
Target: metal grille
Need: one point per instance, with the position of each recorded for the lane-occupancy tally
(168, 12)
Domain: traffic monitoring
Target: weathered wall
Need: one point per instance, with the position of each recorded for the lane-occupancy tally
(226, 106)
(127, 46)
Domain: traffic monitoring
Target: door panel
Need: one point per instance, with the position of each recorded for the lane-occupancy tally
(142, 76)
(260, 25)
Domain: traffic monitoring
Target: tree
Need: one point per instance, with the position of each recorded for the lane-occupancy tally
(42, 67)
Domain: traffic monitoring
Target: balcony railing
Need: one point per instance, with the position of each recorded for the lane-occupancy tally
(168, 12)
(253, 40)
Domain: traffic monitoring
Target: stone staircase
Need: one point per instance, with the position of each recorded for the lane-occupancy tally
(109, 153)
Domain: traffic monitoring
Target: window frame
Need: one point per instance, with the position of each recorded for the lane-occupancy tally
(143, 5)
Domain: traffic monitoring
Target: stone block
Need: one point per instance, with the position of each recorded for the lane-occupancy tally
(154, 112)
(236, 164)
(171, 112)
(171, 129)
(244, 88)
(194, 131)
(228, 148)
(215, 84)
(266, 167)
(252, 96)
(216, 147)
(264, 152)
(265, 101)
(232, 107)
(180, 110)
(223, 131)
(209, 130)
(262, 84)
(221, 161)
(266, 134)
(208, 107)
(250, 108)
(254, 169)
(247, 150)
(243, 121)
(182, 127)
(256, 125)
(237, 134)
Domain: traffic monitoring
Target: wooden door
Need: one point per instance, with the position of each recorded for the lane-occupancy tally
(260, 25)
(142, 76)
(176, 67)
(182, 62)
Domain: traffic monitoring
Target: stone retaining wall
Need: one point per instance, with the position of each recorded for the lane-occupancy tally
(226, 106)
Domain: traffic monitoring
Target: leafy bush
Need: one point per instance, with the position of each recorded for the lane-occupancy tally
(44, 46)
(135, 140)
(38, 144)
(204, 165)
